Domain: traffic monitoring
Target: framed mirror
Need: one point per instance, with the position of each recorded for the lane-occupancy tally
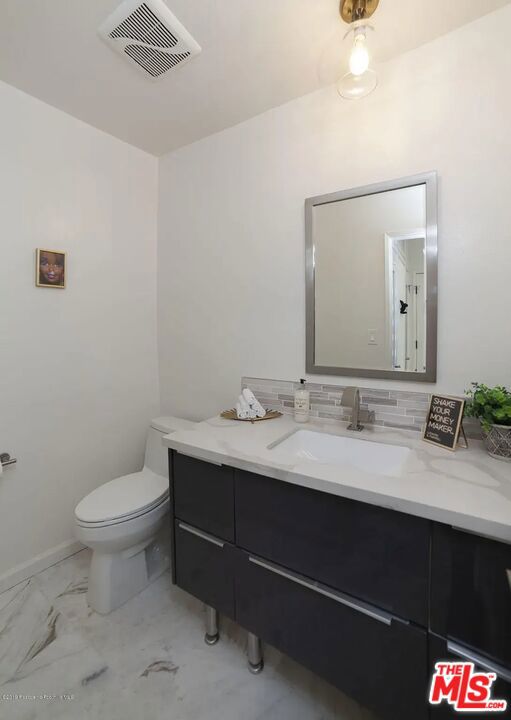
(371, 281)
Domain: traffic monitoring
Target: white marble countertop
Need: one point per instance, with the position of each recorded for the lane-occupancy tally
(467, 488)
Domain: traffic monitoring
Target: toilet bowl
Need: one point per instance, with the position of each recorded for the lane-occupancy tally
(125, 523)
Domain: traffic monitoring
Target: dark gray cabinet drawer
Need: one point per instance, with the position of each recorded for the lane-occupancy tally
(379, 661)
(377, 555)
(443, 649)
(471, 591)
(204, 567)
(204, 495)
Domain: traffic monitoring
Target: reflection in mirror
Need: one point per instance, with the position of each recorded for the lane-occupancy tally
(406, 300)
(368, 281)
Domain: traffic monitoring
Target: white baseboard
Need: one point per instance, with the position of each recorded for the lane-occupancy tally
(39, 563)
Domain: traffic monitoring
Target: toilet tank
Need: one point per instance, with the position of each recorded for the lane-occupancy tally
(156, 454)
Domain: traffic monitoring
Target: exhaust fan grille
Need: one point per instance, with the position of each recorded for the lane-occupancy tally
(152, 61)
(143, 25)
(148, 35)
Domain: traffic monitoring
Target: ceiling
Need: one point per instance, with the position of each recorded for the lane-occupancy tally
(255, 55)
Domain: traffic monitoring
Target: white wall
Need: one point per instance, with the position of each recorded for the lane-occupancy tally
(231, 234)
(78, 367)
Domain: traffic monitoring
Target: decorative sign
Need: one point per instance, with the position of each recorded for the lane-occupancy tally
(443, 422)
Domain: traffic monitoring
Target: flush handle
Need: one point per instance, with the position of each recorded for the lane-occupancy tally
(6, 459)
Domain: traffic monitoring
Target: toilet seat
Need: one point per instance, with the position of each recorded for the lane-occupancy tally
(122, 499)
(125, 519)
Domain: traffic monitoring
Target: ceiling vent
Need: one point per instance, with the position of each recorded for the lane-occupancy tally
(149, 36)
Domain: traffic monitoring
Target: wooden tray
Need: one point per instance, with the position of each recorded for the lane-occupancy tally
(231, 415)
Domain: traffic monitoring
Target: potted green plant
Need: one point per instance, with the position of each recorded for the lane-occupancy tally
(493, 408)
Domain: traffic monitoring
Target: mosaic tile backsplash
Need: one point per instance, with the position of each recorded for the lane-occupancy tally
(392, 408)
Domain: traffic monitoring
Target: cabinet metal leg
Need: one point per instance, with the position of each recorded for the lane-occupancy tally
(212, 635)
(255, 654)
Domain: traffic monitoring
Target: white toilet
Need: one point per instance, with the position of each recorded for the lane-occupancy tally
(125, 523)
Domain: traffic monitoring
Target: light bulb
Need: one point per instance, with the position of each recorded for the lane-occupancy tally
(353, 87)
(359, 58)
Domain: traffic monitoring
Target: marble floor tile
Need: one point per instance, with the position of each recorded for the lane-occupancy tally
(41, 652)
(147, 659)
(65, 584)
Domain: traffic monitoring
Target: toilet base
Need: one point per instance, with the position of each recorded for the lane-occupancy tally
(114, 578)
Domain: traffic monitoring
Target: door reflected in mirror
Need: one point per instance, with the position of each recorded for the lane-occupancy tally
(371, 281)
(406, 300)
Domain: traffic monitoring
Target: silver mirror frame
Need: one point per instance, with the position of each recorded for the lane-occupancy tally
(430, 181)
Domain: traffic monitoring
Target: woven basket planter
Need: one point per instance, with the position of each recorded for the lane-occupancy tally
(498, 442)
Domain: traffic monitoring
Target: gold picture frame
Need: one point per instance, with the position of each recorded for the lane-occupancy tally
(50, 268)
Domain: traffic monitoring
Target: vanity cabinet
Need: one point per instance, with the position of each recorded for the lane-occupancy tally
(441, 649)
(202, 528)
(377, 555)
(471, 592)
(375, 658)
(203, 495)
(471, 606)
(205, 567)
(366, 597)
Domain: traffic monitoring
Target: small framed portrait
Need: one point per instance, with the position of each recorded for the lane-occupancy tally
(50, 268)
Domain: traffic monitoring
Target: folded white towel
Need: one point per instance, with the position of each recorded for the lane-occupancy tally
(254, 403)
(241, 414)
(245, 407)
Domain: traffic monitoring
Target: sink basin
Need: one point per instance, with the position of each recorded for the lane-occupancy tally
(366, 455)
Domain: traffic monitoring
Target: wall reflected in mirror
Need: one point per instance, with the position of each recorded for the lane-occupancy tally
(368, 288)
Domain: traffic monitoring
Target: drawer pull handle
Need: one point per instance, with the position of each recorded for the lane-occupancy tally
(200, 534)
(321, 590)
(487, 665)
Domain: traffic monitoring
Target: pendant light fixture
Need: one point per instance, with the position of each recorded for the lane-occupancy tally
(361, 79)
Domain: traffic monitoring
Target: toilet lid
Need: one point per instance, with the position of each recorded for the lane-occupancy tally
(123, 497)
(171, 424)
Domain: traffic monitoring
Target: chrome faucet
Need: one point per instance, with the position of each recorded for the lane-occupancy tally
(351, 398)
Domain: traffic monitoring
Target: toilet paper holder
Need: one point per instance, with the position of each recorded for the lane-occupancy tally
(6, 459)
